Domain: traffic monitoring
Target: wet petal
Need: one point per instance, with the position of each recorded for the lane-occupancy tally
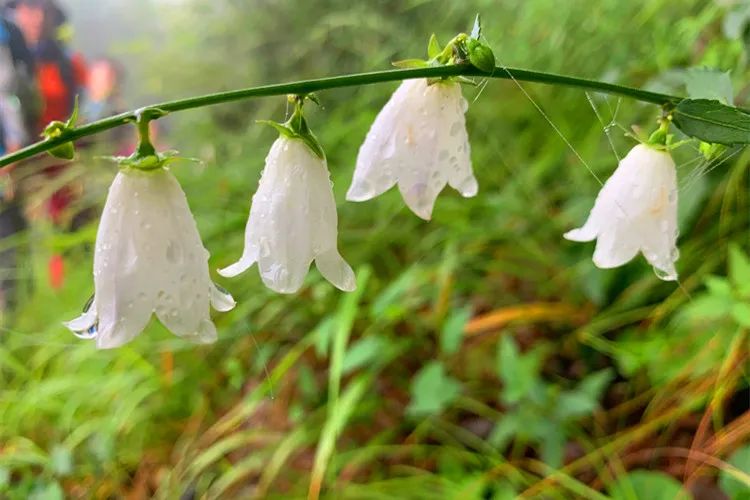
(221, 300)
(334, 268)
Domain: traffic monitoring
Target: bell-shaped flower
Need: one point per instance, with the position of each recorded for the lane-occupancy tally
(293, 221)
(636, 210)
(149, 259)
(418, 141)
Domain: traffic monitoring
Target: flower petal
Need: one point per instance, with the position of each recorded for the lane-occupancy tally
(614, 248)
(221, 300)
(84, 321)
(334, 268)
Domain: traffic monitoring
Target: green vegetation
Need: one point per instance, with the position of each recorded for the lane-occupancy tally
(482, 355)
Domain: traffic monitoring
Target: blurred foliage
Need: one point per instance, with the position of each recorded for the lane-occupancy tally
(482, 356)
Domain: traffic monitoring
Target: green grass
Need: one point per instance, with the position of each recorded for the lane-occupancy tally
(316, 391)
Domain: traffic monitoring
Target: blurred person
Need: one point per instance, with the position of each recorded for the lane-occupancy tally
(102, 94)
(39, 21)
(16, 115)
(58, 80)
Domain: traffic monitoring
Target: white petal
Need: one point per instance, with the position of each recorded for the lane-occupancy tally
(221, 300)
(377, 168)
(84, 321)
(614, 249)
(419, 139)
(636, 210)
(334, 268)
(292, 217)
(150, 258)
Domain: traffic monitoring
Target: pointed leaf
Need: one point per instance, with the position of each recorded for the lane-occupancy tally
(739, 269)
(433, 47)
(707, 83)
(432, 390)
(411, 63)
(647, 484)
(476, 30)
(712, 121)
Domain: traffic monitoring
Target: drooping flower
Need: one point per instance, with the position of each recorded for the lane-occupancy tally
(293, 221)
(418, 141)
(636, 210)
(149, 259)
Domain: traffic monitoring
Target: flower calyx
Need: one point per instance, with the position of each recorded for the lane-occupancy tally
(296, 126)
(462, 49)
(145, 157)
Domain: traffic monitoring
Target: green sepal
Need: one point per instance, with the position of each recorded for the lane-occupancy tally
(148, 162)
(66, 151)
(305, 136)
(57, 129)
(433, 47)
(412, 63)
(74, 115)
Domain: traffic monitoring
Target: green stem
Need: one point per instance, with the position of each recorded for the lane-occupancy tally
(307, 86)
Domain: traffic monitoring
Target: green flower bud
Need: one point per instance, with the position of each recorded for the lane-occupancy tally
(480, 56)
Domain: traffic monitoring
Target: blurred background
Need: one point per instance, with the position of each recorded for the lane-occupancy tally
(482, 356)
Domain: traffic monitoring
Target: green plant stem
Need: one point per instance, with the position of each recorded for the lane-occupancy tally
(307, 86)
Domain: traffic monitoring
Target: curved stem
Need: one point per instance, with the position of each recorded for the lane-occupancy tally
(307, 86)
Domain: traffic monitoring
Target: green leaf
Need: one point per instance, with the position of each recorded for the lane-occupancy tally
(362, 352)
(732, 485)
(593, 385)
(452, 332)
(552, 445)
(574, 404)
(718, 287)
(433, 47)
(642, 484)
(712, 121)
(51, 491)
(519, 373)
(739, 270)
(741, 314)
(706, 83)
(504, 430)
(432, 390)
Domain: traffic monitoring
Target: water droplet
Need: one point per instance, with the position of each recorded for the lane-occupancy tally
(90, 333)
(265, 247)
(174, 255)
(664, 275)
(455, 129)
(443, 155)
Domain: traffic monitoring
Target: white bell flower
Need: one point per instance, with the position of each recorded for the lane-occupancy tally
(419, 141)
(148, 259)
(293, 221)
(636, 210)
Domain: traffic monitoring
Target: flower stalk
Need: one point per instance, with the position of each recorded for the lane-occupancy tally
(352, 80)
